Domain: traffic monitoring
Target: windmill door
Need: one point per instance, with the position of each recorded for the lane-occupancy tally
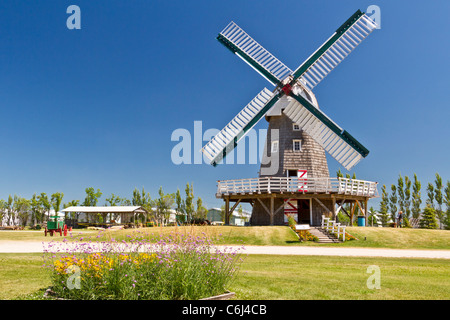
(303, 211)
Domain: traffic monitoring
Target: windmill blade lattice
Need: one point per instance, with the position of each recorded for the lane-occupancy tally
(336, 141)
(244, 46)
(225, 141)
(346, 38)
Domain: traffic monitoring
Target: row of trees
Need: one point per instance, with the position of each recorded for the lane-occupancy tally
(17, 210)
(406, 196)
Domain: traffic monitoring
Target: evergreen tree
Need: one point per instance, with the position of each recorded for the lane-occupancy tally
(428, 220)
(384, 203)
(416, 198)
(401, 194)
(439, 199)
(393, 203)
(447, 204)
(407, 192)
(188, 203)
(430, 194)
(179, 207)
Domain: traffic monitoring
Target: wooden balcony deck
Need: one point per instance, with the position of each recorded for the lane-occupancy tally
(269, 185)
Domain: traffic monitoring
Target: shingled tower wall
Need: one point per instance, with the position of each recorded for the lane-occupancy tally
(311, 158)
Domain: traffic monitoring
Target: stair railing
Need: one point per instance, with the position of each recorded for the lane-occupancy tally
(333, 228)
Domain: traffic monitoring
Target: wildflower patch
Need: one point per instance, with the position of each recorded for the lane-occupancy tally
(172, 267)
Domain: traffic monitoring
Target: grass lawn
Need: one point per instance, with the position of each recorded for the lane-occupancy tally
(371, 237)
(282, 277)
(21, 274)
(333, 278)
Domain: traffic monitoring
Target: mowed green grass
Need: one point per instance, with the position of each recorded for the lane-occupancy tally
(273, 277)
(370, 237)
(335, 278)
(21, 274)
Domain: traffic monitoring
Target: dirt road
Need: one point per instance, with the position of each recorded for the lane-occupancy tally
(34, 246)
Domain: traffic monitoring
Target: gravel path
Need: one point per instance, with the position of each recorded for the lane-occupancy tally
(34, 246)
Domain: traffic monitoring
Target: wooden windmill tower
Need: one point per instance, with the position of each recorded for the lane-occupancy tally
(294, 175)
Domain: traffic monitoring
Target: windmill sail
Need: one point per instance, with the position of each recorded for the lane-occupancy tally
(226, 140)
(346, 38)
(240, 43)
(337, 142)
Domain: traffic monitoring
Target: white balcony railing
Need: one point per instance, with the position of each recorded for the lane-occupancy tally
(298, 185)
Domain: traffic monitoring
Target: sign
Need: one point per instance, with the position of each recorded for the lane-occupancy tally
(302, 227)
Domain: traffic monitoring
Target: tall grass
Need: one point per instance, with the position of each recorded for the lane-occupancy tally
(171, 266)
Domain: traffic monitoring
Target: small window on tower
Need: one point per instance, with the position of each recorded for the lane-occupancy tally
(297, 145)
(274, 146)
(295, 127)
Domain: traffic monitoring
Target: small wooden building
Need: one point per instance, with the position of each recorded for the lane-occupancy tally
(113, 214)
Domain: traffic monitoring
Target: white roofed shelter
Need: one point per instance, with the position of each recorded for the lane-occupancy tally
(127, 213)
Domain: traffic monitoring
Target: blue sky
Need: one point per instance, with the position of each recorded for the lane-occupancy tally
(96, 107)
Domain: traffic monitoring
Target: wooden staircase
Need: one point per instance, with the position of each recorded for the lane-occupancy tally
(323, 236)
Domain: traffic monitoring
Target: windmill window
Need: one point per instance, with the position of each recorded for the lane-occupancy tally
(297, 145)
(274, 146)
(295, 127)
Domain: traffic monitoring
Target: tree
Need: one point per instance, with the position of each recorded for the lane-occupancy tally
(22, 209)
(112, 201)
(447, 203)
(3, 210)
(45, 203)
(37, 210)
(416, 198)
(9, 210)
(188, 203)
(401, 194)
(72, 203)
(163, 205)
(393, 203)
(144, 200)
(384, 206)
(140, 199)
(428, 220)
(201, 211)
(222, 213)
(407, 193)
(91, 199)
(179, 208)
(372, 216)
(241, 213)
(430, 194)
(56, 200)
(439, 199)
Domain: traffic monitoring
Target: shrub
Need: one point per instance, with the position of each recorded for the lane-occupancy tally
(428, 220)
(173, 267)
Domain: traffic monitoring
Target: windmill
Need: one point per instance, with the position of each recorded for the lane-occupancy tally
(304, 131)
